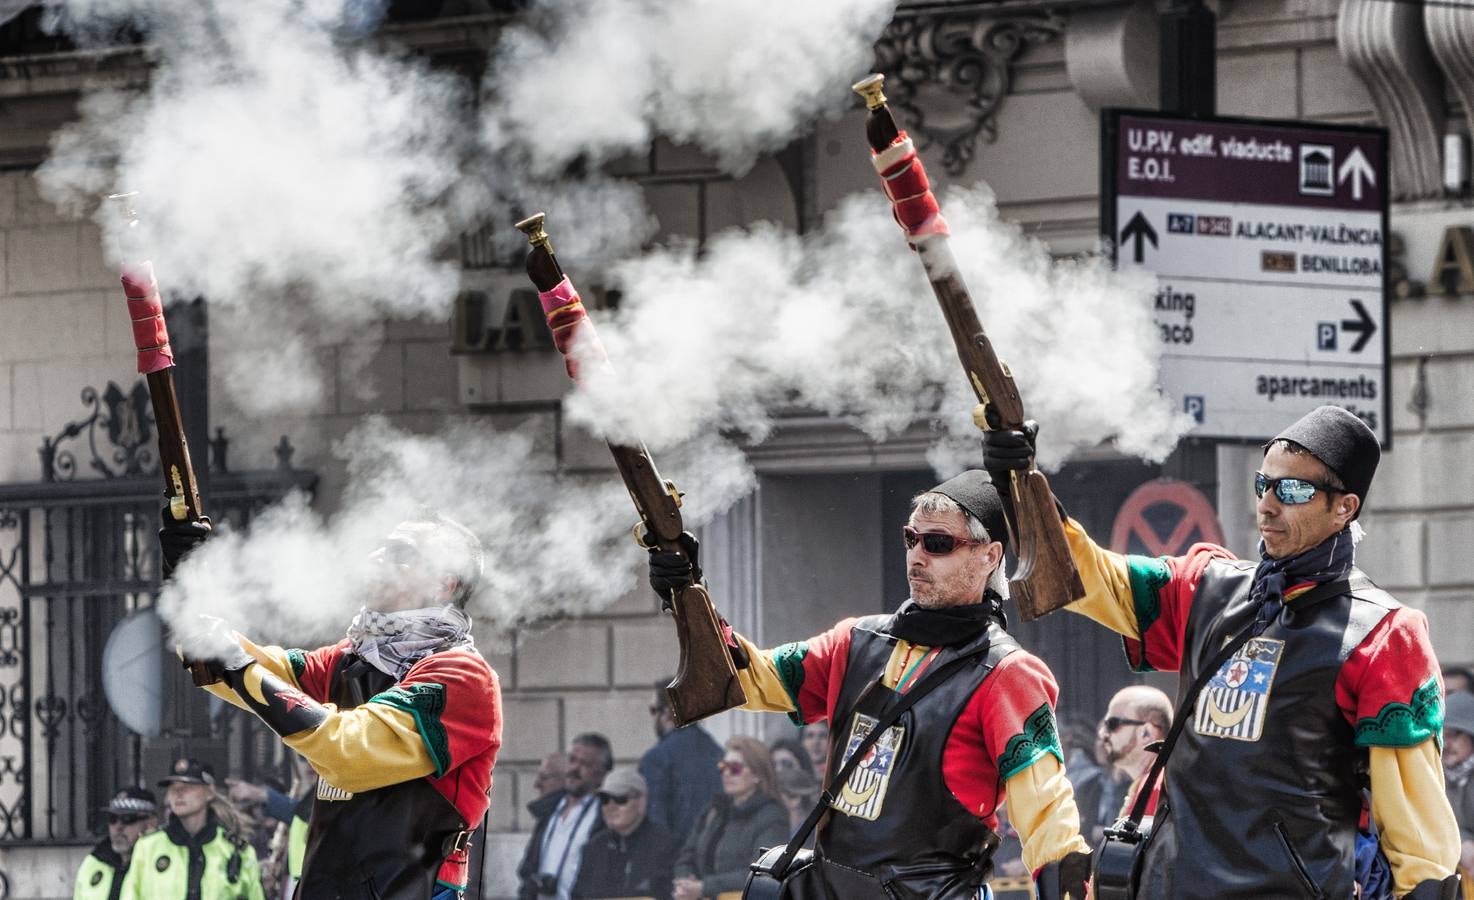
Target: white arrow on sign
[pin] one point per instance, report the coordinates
(1356, 168)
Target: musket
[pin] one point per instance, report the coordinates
(706, 679)
(156, 365)
(1046, 578)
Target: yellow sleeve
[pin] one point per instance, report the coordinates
(1041, 806)
(1414, 820)
(367, 747)
(130, 890)
(1108, 598)
(761, 682)
(273, 659)
(252, 875)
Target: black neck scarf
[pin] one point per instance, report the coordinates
(947, 627)
(1330, 560)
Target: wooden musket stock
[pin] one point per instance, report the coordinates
(152, 340)
(706, 680)
(1046, 578)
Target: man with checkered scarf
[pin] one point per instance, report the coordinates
(401, 719)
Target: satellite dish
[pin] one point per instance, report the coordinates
(133, 672)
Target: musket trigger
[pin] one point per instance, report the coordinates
(638, 532)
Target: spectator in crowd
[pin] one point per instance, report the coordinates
(631, 856)
(681, 769)
(789, 753)
(202, 852)
(131, 814)
(815, 736)
(1458, 771)
(550, 865)
(1458, 679)
(800, 791)
(745, 818)
(549, 778)
(1138, 716)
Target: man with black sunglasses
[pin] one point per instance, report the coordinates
(1337, 687)
(632, 856)
(131, 814)
(1138, 716)
(916, 819)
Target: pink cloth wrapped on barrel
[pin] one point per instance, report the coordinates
(150, 335)
(567, 320)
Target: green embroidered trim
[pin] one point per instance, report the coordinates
(1405, 724)
(1147, 576)
(425, 702)
(1038, 738)
(297, 659)
(789, 661)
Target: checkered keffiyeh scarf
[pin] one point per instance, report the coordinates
(393, 641)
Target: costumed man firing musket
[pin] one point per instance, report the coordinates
(917, 817)
(1334, 683)
(401, 719)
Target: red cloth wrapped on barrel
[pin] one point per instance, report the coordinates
(150, 335)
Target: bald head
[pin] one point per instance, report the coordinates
(1146, 703)
(1138, 716)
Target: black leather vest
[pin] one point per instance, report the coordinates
(895, 819)
(384, 844)
(1263, 790)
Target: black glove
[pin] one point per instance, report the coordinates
(673, 572)
(1064, 877)
(1445, 889)
(1007, 451)
(177, 539)
(214, 651)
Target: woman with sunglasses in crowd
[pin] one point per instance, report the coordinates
(918, 816)
(1336, 684)
(747, 815)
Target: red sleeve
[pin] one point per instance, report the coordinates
(812, 671)
(1390, 688)
(466, 704)
(1007, 726)
(1162, 592)
(314, 668)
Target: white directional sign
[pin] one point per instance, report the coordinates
(1268, 240)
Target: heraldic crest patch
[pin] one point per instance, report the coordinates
(1233, 704)
(863, 793)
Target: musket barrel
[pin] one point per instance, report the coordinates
(706, 679)
(1046, 578)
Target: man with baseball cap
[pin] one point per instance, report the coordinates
(631, 856)
(130, 815)
(201, 853)
(1458, 770)
(919, 817)
(1336, 684)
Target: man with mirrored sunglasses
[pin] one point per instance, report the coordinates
(1336, 687)
(917, 818)
(130, 815)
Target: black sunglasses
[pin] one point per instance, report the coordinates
(616, 799)
(935, 543)
(119, 819)
(1111, 723)
(1291, 491)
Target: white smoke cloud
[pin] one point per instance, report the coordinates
(598, 80)
(276, 161)
(554, 545)
(844, 322)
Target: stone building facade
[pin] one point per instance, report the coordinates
(63, 326)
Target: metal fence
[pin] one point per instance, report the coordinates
(76, 557)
